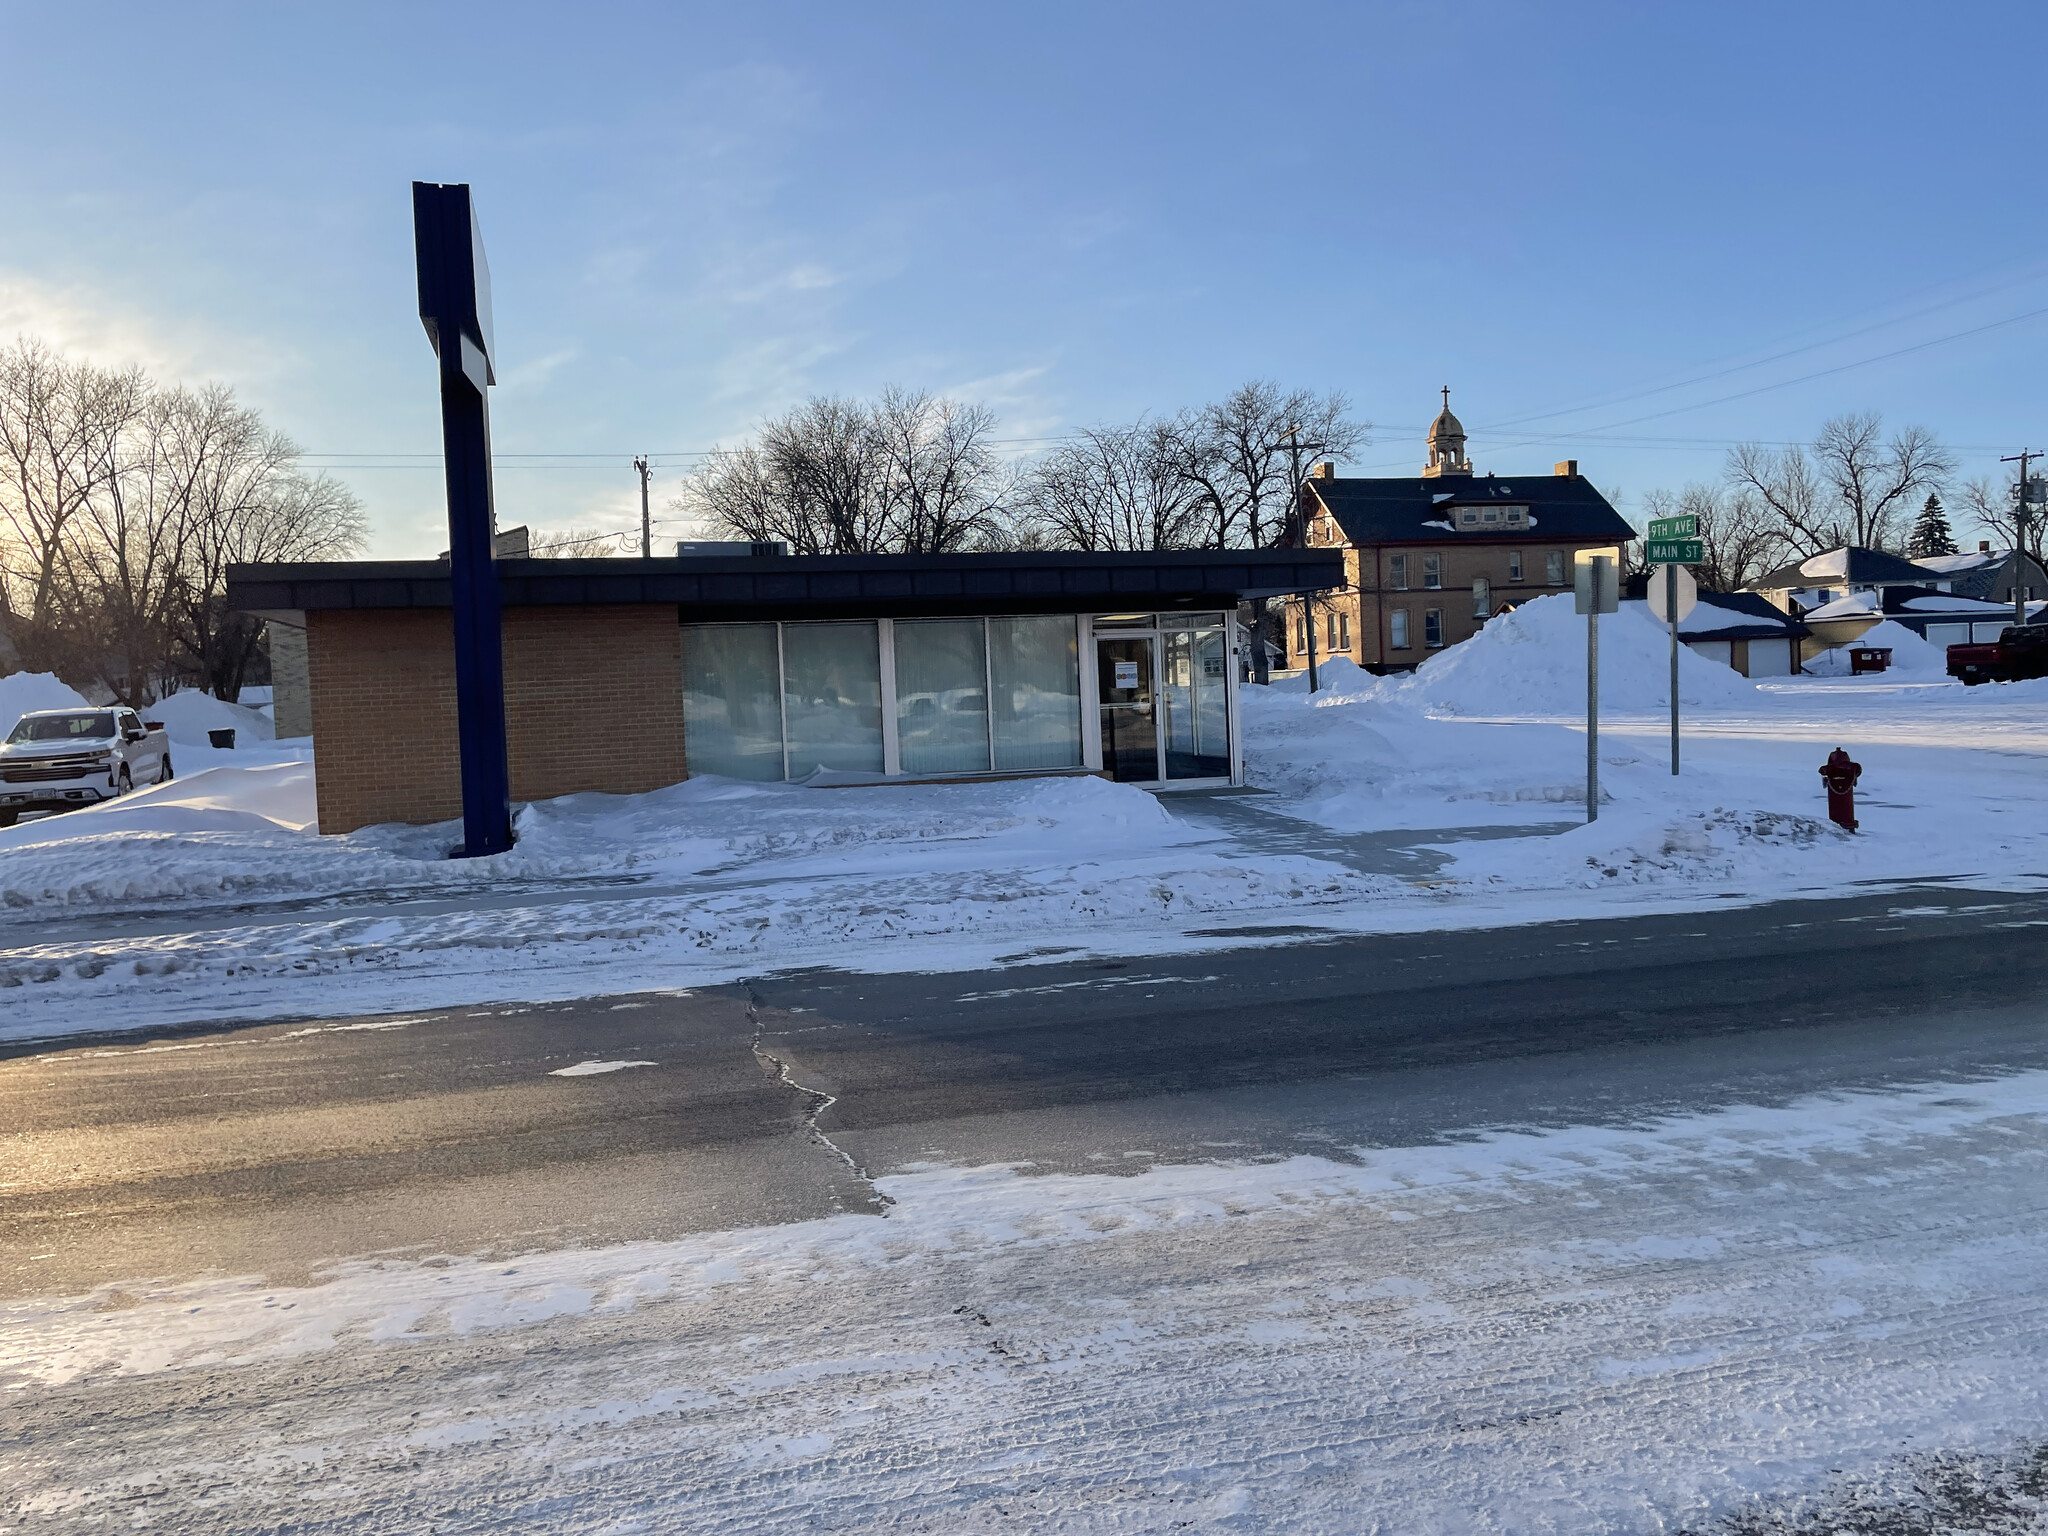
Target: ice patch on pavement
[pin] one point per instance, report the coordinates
(593, 1068)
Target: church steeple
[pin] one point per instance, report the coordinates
(1446, 444)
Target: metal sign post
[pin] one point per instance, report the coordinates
(1672, 539)
(455, 307)
(1596, 589)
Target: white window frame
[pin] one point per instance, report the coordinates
(1399, 635)
(1438, 643)
(1397, 573)
(1514, 565)
(1432, 573)
(1482, 597)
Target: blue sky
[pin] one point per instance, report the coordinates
(1626, 234)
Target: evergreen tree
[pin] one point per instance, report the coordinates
(1931, 533)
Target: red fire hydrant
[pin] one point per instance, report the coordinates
(1840, 776)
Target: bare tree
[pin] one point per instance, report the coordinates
(1854, 488)
(579, 544)
(947, 489)
(1995, 505)
(1739, 535)
(907, 473)
(1244, 451)
(1116, 487)
(59, 421)
(1874, 478)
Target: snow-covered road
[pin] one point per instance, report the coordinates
(1585, 1330)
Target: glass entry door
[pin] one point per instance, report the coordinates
(1130, 724)
(1194, 695)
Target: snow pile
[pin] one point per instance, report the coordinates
(1911, 655)
(1532, 661)
(23, 693)
(234, 832)
(1357, 755)
(188, 715)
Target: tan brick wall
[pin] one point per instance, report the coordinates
(593, 701)
(384, 748)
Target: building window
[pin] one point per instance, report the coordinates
(1432, 629)
(1469, 518)
(1553, 567)
(1301, 629)
(1337, 629)
(1514, 565)
(1397, 630)
(1432, 571)
(781, 701)
(1482, 598)
(1397, 573)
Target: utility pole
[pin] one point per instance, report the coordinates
(1295, 448)
(646, 527)
(2019, 533)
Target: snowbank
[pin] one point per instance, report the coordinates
(1911, 655)
(1532, 661)
(189, 714)
(240, 831)
(22, 693)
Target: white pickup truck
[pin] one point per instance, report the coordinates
(60, 759)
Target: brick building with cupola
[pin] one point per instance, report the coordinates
(1429, 559)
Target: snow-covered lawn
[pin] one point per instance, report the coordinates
(1599, 1329)
(212, 897)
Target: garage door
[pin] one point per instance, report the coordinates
(1986, 634)
(1713, 650)
(1946, 635)
(1770, 658)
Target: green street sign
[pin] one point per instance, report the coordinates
(1675, 551)
(1686, 527)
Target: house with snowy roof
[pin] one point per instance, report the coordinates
(1429, 558)
(1989, 574)
(1838, 573)
(1940, 618)
(1743, 631)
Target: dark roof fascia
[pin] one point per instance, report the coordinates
(822, 585)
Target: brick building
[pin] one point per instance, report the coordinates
(625, 675)
(1429, 559)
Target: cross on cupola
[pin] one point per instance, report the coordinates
(1446, 443)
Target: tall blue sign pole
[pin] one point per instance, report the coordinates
(455, 307)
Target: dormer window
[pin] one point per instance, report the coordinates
(1468, 517)
(1515, 517)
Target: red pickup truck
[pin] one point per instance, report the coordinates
(2021, 651)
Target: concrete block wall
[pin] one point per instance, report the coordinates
(593, 701)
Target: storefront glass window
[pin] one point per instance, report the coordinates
(832, 697)
(942, 695)
(1034, 666)
(732, 706)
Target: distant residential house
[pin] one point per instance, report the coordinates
(1429, 558)
(1838, 573)
(1743, 631)
(1940, 618)
(1989, 574)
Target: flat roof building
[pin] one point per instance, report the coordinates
(622, 676)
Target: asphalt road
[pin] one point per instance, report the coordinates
(281, 1147)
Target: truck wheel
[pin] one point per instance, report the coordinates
(163, 772)
(127, 781)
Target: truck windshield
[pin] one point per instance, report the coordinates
(64, 727)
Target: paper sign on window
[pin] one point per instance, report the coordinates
(1127, 674)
